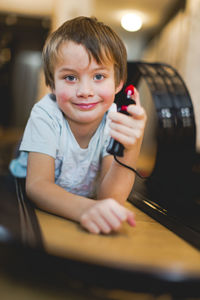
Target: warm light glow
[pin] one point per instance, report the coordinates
(131, 22)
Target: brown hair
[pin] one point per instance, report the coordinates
(99, 40)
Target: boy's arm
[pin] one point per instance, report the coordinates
(95, 216)
(116, 181)
(42, 190)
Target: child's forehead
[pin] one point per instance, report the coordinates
(70, 49)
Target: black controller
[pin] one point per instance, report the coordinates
(115, 148)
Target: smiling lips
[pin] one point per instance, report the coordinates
(86, 106)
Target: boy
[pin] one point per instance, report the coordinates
(63, 151)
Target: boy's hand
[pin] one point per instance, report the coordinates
(105, 216)
(128, 129)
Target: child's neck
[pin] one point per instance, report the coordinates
(83, 132)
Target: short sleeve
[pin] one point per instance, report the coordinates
(42, 132)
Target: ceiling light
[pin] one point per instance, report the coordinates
(131, 22)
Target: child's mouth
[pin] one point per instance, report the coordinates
(86, 106)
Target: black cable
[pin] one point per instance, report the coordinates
(130, 168)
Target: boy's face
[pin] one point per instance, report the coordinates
(84, 89)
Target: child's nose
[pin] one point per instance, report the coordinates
(85, 90)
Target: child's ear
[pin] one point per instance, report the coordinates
(119, 87)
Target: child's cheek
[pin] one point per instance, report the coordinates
(62, 97)
(108, 96)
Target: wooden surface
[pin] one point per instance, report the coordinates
(148, 246)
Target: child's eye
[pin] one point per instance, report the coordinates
(70, 78)
(99, 77)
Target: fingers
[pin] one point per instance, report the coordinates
(127, 140)
(137, 112)
(126, 129)
(131, 218)
(132, 130)
(101, 216)
(106, 216)
(136, 97)
(91, 226)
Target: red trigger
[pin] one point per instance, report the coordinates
(129, 90)
(123, 108)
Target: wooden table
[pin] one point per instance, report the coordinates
(149, 246)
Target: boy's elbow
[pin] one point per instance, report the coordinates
(33, 190)
(29, 188)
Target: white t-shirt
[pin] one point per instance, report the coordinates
(48, 132)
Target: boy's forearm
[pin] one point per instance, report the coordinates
(118, 181)
(117, 184)
(54, 199)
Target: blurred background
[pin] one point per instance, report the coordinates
(168, 32)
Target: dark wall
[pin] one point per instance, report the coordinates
(21, 42)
